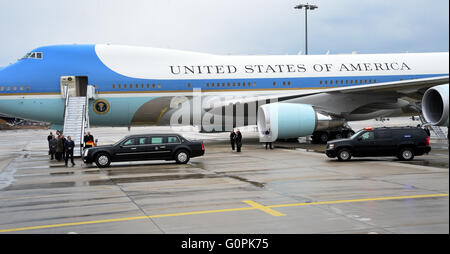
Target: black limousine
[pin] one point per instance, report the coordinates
(145, 147)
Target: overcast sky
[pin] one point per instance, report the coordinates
(226, 26)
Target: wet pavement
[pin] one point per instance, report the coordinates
(294, 188)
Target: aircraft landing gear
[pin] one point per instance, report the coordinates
(322, 137)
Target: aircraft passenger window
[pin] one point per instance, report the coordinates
(21, 88)
(346, 82)
(130, 142)
(342, 82)
(119, 86)
(189, 85)
(137, 86)
(27, 88)
(274, 83)
(254, 84)
(159, 85)
(2, 88)
(15, 88)
(8, 88)
(239, 83)
(223, 84)
(113, 86)
(321, 82)
(284, 83)
(142, 86)
(212, 85)
(375, 81)
(124, 85)
(360, 81)
(228, 84)
(234, 84)
(148, 85)
(331, 82)
(207, 84)
(153, 85)
(365, 81)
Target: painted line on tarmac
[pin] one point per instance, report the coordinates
(265, 209)
(253, 206)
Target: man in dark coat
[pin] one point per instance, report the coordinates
(60, 147)
(52, 143)
(88, 140)
(69, 146)
(232, 139)
(238, 141)
(49, 137)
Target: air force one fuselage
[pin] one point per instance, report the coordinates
(137, 85)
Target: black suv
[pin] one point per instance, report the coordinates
(403, 142)
(145, 147)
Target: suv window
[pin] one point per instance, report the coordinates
(129, 142)
(367, 135)
(157, 140)
(173, 140)
(384, 134)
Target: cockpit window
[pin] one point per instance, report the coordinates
(33, 55)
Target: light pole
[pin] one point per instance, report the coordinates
(307, 7)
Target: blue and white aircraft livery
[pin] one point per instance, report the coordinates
(293, 95)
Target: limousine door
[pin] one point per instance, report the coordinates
(128, 150)
(158, 149)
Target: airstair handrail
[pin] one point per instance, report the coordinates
(66, 96)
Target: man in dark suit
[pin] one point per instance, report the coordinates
(238, 141)
(232, 139)
(88, 140)
(69, 146)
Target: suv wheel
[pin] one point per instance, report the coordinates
(102, 160)
(182, 157)
(344, 154)
(406, 154)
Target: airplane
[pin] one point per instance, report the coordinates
(293, 95)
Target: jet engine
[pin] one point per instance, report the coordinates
(289, 120)
(435, 105)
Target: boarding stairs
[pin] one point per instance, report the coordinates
(76, 120)
(434, 129)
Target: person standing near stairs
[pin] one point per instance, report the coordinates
(69, 146)
(88, 140)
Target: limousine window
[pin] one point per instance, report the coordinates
(157, 140)
(129, 142)
(142, 141)
(173, 140)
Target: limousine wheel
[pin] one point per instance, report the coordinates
(182, 157)
(102, 160)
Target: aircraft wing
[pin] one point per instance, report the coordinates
(347, 100)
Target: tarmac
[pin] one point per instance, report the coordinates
(293, 189)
